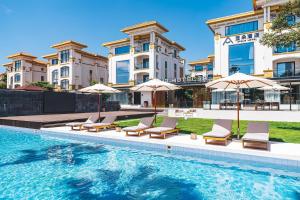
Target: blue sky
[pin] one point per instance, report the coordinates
(33, 25)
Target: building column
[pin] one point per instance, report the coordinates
(152, 57)
(132, 60)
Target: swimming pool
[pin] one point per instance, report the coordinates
(41, 167)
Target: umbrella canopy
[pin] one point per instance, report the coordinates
(275, 87)
(99, 89)
(30, 88)
(237, 81)
(155, 85)
(224, 90)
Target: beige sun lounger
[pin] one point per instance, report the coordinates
(167, 127)
(77, 126)
(107, 122)
(221, 131)
(257, 134)
(144, 124)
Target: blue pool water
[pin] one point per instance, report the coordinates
(35, 166)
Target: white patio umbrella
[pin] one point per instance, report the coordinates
(275, 87)
(154, 86)
(238, 81)
(99, 89)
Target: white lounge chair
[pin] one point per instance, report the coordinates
(144, 124)
(221, 131)
(168, 126)
(77, 126)
(257, 133)
(107, 122)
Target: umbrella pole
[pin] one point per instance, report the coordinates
(99, 106)
(154, 105)
(238, 112)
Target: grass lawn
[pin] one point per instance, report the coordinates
(279, 131)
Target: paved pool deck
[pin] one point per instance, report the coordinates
(278, 150)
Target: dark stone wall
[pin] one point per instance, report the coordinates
(14, 103)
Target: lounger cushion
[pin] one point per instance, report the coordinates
(96, 125)
(135, 128)
(159, 129)
(75, 124)
(214, 134)
(259, 137)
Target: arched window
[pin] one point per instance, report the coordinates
(55, 76)
(17, 78)
(64, 71)
(64, 84)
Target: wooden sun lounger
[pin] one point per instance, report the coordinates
(167, 127)
(78, 126)
(144, 124)
(257, 134)
(221, 131)
(107, 122)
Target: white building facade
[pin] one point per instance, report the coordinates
(145, 54)
(237, 47)
(202, 69)
(72, 68)
(24, 69)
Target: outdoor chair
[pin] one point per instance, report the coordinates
(78, 126)
(221, 131)
(257, 134)
(168, 126)
(107, 122)
(144, 124)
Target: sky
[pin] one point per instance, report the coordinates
(32, 26)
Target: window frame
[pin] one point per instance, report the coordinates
(255, 28)
(293, 70)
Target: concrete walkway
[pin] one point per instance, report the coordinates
(280, 116)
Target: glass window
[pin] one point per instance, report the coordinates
(54, 61)
(122, 71)
(284, 69)
(289, 48)
(42, 78)
(210, 67)
(291, 20)
(145, 78)
(64, 56)
(175, 71)
(166, 70)
(55, 77)
(241, 28)
(209, 76)
(175, 53)
(64, 71)
(122, 50)
(145, 62)
(11, 80)
(198, 68)
(18, 65)
(146, 47)
(64, 84)
(241, 58)
(17, 78)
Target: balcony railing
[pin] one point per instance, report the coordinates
(140, 66)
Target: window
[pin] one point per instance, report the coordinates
(175, 71)
(91, 76)
(146, 47)
(198, 68)
(241, 28)
(11, 80)
(145, 78)
(42, 78)
(284, 69)
(146, 63)
(157, 63)
(122, 50)
(210, 67)
(54, 61)
(55, 77)
(209, 76)
(241, 58)
(166, 70)
(283, 49)
(64, 71)
(17, 78)
(64, 84)
(122, 71)
(101, 80)
(291, 20)
(18, 65)
(175, 53)
(64, 56)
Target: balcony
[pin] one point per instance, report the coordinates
(141, 66)
(141, 48)
(141, 62)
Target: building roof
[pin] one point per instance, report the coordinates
(27, 55)
(181, 48)
(144, 25)
(52, 55)
(69, 42)
(8, 64)
(96, 56)
(124, 40)
(207, 60)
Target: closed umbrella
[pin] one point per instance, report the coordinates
(99, 89)
(238, 81)
(154, 86)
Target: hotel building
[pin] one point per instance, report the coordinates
(237, 47)
(24, 69)
(144, 54)
(71, 68)
(202, 69)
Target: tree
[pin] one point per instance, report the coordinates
(282, 32)
(43, 84)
